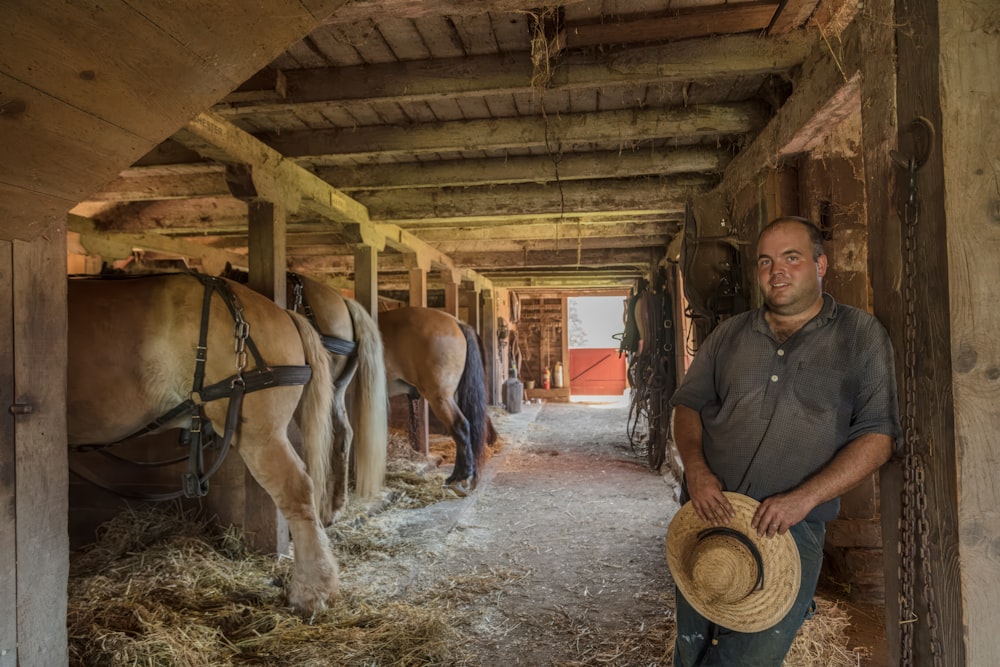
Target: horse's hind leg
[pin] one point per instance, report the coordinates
(463, 476)
(340, 454)
(276, 467)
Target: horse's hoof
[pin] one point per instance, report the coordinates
(458, 487)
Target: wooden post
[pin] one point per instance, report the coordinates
(948, 235)
(491, 345)
(418, 287)
(34, 544)
(450, 281)
(266, 246)
(235, 495)
(366, 278)
(470, 297)
(947, 58)
(419, 418)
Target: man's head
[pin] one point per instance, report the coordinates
(791, 264)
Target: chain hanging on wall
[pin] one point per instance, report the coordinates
(914, 529)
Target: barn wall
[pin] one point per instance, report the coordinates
(970, 133)
(34, 550)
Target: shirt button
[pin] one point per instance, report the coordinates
(781, 353)
(774, 378)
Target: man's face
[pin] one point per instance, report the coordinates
(790, 279)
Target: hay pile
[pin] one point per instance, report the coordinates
(162, 586)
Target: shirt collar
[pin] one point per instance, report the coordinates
(826, 313)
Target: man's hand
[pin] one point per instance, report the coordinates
(777, 514)
(709, 503)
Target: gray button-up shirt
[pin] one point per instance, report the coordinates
(775, 413)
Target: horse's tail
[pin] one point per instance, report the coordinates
(491, 432)
(315, 414)
(471, 394)
(369, 404)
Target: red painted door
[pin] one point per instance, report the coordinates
(596, 372)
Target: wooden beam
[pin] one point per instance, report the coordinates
(624, 127)
(722, 56)
(684, 24)
(544, 231)
(650, 196)
(825, 72)
(533, 169)
(276, 178)
(485, 261)
(117, 245)
(791, 15)
(585, 281)
(208, 180)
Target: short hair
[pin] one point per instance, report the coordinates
(815, 235)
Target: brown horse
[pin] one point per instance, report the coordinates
(157, 352)
(343, 321)
(432, 354)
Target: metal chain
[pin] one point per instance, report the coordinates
(241, 330)
(914, 493)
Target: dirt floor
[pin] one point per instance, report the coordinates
(556, 560)
(572, 524)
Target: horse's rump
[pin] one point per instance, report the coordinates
(441, 358)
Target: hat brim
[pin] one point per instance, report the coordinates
(762, 608)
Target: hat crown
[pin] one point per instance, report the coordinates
(723, 568)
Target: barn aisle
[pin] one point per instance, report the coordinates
(557, 559)
(579, 521)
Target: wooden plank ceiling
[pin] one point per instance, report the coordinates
(523, 146)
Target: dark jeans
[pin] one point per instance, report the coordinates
(701, 643)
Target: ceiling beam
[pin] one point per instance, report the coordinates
(679, 25)
(649, 196)
(186, 181)
(116, 245)
(527, 169)
(415, 208)
(318, 89)
(624, 127)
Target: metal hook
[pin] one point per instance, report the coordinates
(920, 127)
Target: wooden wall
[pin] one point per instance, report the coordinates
(34, 549)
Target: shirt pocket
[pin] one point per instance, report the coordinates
(819, 389)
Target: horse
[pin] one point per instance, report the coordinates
(351, 336)
(434, 355)
(149, 353)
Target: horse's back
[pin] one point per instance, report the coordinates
(133, 343)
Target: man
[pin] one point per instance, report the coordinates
(792, 404)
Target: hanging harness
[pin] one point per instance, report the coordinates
(194, 483)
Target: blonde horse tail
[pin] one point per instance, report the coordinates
(315, 412)
(369, 405)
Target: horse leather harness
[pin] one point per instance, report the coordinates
(299, 305)
(195, 481)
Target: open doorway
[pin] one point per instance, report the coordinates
(595, 324)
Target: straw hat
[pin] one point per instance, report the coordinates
(732, 577)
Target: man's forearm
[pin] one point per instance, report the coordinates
(853, 463)
(687, 431)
